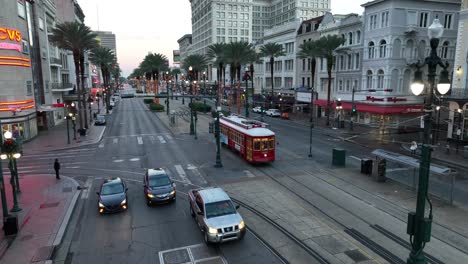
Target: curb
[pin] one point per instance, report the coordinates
(66, 219)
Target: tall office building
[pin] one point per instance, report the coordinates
(107, 39)
(219, 21)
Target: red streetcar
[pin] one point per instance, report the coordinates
(251, 138)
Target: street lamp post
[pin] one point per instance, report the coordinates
(419, 226)
(204, 83)
(167, 92)
(246, 93)
(218, 163)
(311, 121)
(338, 111)
(11, 151)
(73, 118)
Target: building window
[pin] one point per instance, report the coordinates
(303, 65)
(321, 64)
(448, 21)
(411, 18)
(373, 22)
(357, 60)
(384, 19)
(444, 51)
(371, 50)
(28, 87)
(47, 86)
(383, 49)
(350, 38)
(348, 85)
(21, 11)
(380, 79)
(25, 46)
(423, 16)
(340, 85)
(358, 37)
(341, 62)
(41, 23)
(350, 62)
(369, 79)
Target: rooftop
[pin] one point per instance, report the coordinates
(212, 195)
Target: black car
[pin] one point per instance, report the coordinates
(158, 187)
(112, 196)
(100, 120)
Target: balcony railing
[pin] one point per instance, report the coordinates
(55, 61)
(61, 87)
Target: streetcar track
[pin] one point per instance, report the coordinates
(283, 230)
(352, 232)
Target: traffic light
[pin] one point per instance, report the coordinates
(211, 127)
(354, 110)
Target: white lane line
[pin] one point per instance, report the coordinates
(249, 174)
(182, 174)
(197, 173)
(118, 160)
(140, 141)
(169, 137)
(356, 158)
(87, 185)
(161, 139)
(101, 145)
(74, 167)
(115, 140)
(62, 157)
(77, 150)
(134, 159)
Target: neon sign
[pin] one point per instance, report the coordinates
(11, 34)
(10, 46)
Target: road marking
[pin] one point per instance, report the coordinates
(152, 139)
(197, 173)
(87, 185)
(62, 157)
(115, 140)
(101, 145)
(140, 140)
(356, 158)
(182, 174)
(134, 159)
(74, 167)
(118, 160)
(78, 150)
(161, 139)
(169, 137)
(249, 174)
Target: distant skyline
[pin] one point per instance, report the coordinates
(155, 26)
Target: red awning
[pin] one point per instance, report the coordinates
(375, 109)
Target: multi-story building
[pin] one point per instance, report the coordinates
(395, 37)
(245, 20)
(107, 39)
(17, 87)
(458, 96)
(185, 44)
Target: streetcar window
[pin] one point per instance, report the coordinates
(257, 144)
(272, 143)
(265, 144)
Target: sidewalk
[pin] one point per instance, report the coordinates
(47, 204)
(56, 137)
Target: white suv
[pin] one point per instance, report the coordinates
(273, 112)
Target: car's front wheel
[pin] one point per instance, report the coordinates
(205, 238)
(192, 213)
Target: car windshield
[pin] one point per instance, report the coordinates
(219, 208)
(160, 180)
(99, 117)
(111, 188)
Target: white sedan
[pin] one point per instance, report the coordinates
(273, 113)
(257, 109)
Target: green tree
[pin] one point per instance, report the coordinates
(104, 58)
(78, 38)
(238, 54)
(272, 50)
(176, 72)
(325, 48)
(198, 64)
(216, 53)
(152, 64)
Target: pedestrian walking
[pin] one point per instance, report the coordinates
(57, 168)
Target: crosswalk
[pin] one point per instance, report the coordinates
(136, 140)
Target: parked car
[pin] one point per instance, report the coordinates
(100, 120)
(257, 109)
(112, 196)
(216, 215)
(158, 187)
(273, 112)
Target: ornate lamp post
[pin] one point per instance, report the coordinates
(167, 92)
(419, 226)
(247, 69)
(192, 128)
(218, 163)
(204, 83)
(312, 93)
(11, 151)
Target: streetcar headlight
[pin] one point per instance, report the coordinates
(101, 205)
(212, 230)
(242, 225)
(265, 154)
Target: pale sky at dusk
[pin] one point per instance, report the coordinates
(143, 26)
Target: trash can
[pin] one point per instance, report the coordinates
(465, 151)
(366, 166)
(380, 167)
(82, 131)
(10, 225)
(339, 157)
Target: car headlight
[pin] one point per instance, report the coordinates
(150, 195)
(212, 230)
(242, 225)
(173, 192)
(101, 205)
(123, 202)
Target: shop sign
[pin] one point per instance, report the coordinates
(10, 46)
(10, 34)
(303, 97)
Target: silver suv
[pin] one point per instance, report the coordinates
(216, 215)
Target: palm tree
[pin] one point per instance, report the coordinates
(136, 74)
(238, 54)
(116, 74)
(104, 58)
(152, 64)
(216, 52)
(198, 64)
(272, 50)
(175, 72)
(78, 38)
(325, 48)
